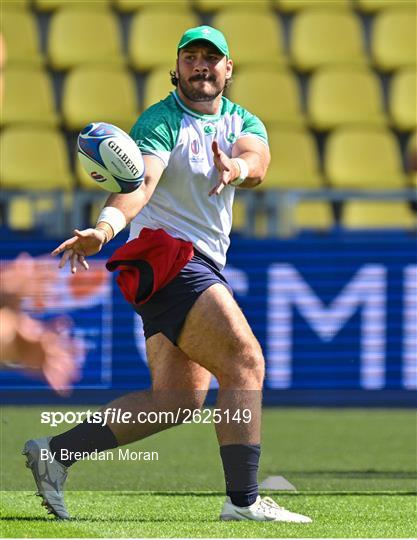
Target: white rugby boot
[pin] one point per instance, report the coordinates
(263, 509)
(49, 477)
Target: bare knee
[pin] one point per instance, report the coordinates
(194, 399)
(172, 400)
(244, 368)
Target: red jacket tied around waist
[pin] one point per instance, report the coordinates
(148, 263)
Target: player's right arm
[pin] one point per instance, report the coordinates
(90, 241)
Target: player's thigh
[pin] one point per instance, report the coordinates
(217, 335)
(175, 377)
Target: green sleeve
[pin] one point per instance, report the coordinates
(252, 125)
(156, 131)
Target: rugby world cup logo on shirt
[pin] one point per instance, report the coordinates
(195, 147)
(195, 154)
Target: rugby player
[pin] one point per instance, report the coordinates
(198, 147)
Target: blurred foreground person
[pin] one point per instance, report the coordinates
(26, 342)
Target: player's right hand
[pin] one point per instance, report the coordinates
(83, 244)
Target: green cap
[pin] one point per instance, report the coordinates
(205, 33)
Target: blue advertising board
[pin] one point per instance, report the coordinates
(334, 312)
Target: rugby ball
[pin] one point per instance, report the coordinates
(111, 158)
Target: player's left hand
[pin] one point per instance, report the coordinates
(228, 170)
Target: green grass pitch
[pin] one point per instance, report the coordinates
(354, 471)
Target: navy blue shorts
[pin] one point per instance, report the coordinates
(166, 311)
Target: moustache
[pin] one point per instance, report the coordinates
(210, 78)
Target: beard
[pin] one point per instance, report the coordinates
(196, 92)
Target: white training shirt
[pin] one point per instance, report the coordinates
(182, 139)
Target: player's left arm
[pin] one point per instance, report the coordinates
(245, 168)
(256, 155)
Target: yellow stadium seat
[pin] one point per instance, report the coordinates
(2, 53)
(133, 5)
(209, 6)
(344, 95)
(28, 97)
(364, 158)
(378, 215)
(313, 215)
(294, 160)
(21, 214)
(290, 6)
(393, 41)
(21, 37)
(34, 158)
(372, 6)
(25, 213)
(52, 5)
(323, 36)
(14, 5)
(239, 215)
(93, 94)
(403, 99)
(157, 86)
(2, 64)
(154, 36)
(73, 40)
(267, 46)
(274, 96)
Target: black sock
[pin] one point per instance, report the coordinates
(240, 464)
(85, 437)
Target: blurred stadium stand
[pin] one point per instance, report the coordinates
(334, 83)
(22, 107)
(99, 93)
(340, 96)
(266, 47)
(70, 43)
(154, 36)
(281, 100)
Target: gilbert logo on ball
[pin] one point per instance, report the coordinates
(110, 157)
